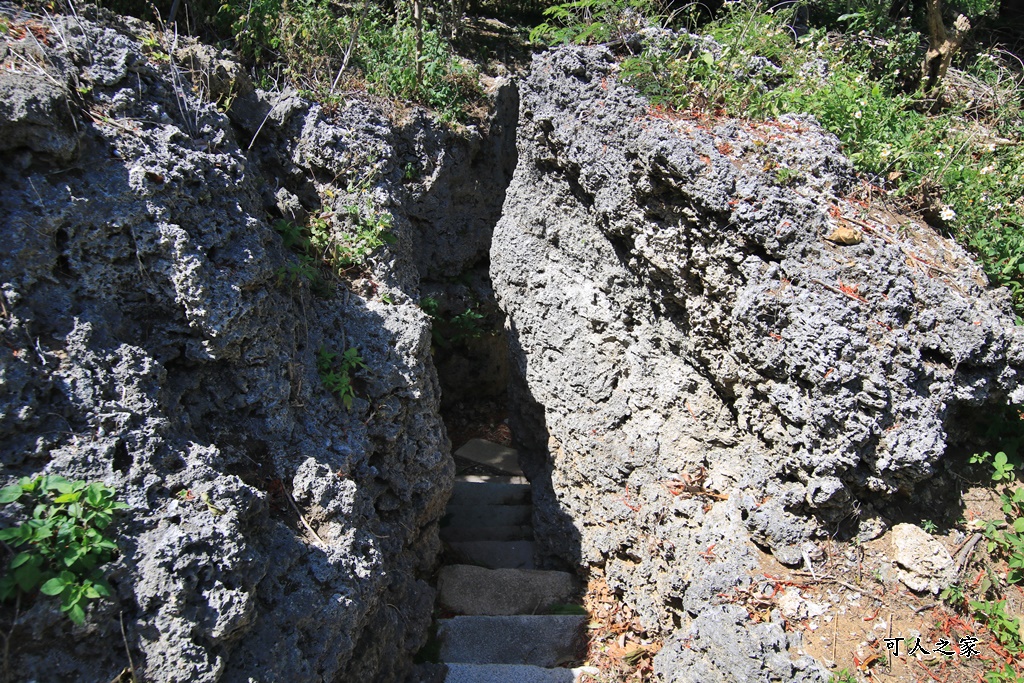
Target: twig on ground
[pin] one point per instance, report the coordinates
(844, 584)
(124, 637)
(964, 556)
(302, 519)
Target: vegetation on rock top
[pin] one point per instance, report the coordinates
(949, 150)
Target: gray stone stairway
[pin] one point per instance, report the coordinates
(501, 631)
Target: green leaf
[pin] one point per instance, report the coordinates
(76, 614)
(54, 586)
(70, 497)
(11, 493)
(27, 576)
(94, 495)
(20, 559)
(57, 483)
(1018, 525)
(73, 556)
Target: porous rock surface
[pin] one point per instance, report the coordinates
(922, 562)
(700, 370)
(155, 339)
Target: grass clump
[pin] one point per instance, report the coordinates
(60, 549)
(325, 47)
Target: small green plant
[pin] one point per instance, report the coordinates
(1006, 628)
(1007, 535)
(448, 330)
(336, 372)
(341, 246)
(1002, 468)
(842, 676)
(1004, 675)
(430, 306)
(303, 270)
(786, 176)
(60, 550)
(466, 325)
(369, 230)
(929, 526)
(954, 595)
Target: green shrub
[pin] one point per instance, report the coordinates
(387, 56)
(60, 549)
(593, 21)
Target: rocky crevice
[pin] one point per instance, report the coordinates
(154, 339)
(674, 316)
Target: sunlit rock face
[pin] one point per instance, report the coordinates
(703, 362)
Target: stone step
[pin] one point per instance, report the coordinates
(494, 554)
(487, 515)
(479, 493)
(514, 673)
(491, 479)
(492, 455)
(537, 640)
(465, 589)
(518, 532)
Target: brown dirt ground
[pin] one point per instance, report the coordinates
(845, 610)
(852, 602)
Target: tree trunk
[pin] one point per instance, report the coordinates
(941, 45)
(417, 18)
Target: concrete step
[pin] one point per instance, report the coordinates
(518, 532)
(494, 554)
(465, 589)
(514, 673)
(487, 515)
(492, 455)
(479, 493)
(492, 479)
(537, 640)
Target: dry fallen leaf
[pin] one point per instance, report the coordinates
(845, 236)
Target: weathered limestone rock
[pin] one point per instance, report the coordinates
(699, 367)
(922, 562)
(155, 339)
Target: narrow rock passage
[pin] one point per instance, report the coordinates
(503, 630)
